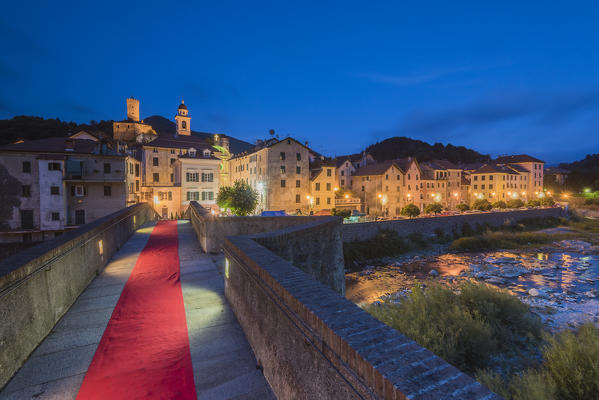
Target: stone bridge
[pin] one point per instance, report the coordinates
(213, 308)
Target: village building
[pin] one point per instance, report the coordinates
(323, 186)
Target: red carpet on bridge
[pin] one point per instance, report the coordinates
(144, 352)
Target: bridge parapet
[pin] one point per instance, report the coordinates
(313, 343)
(38, 285)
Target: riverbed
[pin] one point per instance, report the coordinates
(560, 282)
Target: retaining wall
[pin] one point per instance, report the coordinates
(313, 343)
(38, 285)
(427, 226)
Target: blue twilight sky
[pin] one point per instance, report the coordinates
(500, 77)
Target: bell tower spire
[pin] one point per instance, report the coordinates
(183, 120)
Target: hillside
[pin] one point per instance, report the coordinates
(400, 147)
(31, 128)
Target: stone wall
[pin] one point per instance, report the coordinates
(427, 226)
(38, 285)
(313, 343)
(212, 230)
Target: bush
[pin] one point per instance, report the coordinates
(341, 213)
(589, 201)
(572, 362)
(410, 211)
(515, 203)
(465, 329)
(502, 240)
(433, 208)
(482, 205)
(533, 203)
(547, 202)
(462, 207)
(499, 204)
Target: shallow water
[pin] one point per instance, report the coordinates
(559, 282)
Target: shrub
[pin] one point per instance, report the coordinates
(410, 211)
(341, 213)
(572, 362)
(240, 198)
(589, 201)
(464, 329)
(547, 201)
(433, 208)
(502, 240)
(515, 203)
(533, 203)
(499, 204)
(462, 207)
(482, 205)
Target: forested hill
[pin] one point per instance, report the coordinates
(400, 147)
(588, 164)
(31, 128)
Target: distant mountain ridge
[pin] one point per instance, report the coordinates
(401, 147)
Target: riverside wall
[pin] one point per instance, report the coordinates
(38, 285)
(428, 226)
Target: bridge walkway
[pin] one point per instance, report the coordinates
(222, 363)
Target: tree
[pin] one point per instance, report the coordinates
(533, 203)
(515, 203)
(482, 205)
(433, 208)
(240, 198)
(462, 207)
(410, 211)
(499, 204)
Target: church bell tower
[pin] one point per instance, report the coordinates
(183, 120)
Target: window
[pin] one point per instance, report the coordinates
(155, 177)
(282, 169)
(26, 191)
(297, 198)
(54, 190)
(362, 188)
(137, 185)
(297, 183)
(55, 216)
(207, 196)
(387, 177)
(107, 191)
(193, 196)
(475, 177)
(328, 186)
(172, 178)
(155, 150)
(208, 177)
(282, 155)
(317, 186)
(298, 156)
(53, 166)
(173, 160)
(193, 177)
(342, 173)
(106, 168)
(409, 176)
(136, 169)
(342, 182)
(184, 124)
(298, 170)
(482, 187)
(170, 195)
(26, 167)
(318, 201)
(282, 182)
(328, 200)
(155, 161)
(490, 177)
(482, 178)
(329, 172)
(172, 151)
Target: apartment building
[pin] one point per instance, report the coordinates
(379, 187)
(323, 185)
(55, 184)
(197, 173)
(531, 167)
(442, 183)
(279, 171)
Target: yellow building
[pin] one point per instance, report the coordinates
(323, 185)
(498, 182)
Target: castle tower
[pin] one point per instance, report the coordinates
(133, 109)
(183, 120)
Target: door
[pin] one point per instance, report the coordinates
(26, 219)
(164, 213)
(79, 217)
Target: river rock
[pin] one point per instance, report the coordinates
(434, 273)
(534, 292)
